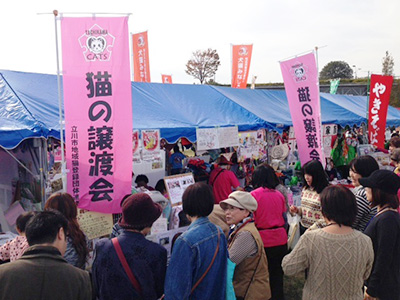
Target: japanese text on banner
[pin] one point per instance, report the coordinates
(379, 97)
(98, 114)
(301, 84)
(241, 57)
(141, 64)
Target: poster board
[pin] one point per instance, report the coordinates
(151, 145)
(207, 138)
(176, 185)
(214, 138)
(95, 224)
(165, 238)
(251, 145)
(329, 131)
(136, 147)
(228, 136)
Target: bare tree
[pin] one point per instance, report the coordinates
(203, 64)
(387, 64)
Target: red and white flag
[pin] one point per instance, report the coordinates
(379, 97)
(166, 78)
(141, 64)
(241, 57)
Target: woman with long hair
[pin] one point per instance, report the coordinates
(384, 230)
(362, 167)
(270, 223)
(314, 182)
(77, 250)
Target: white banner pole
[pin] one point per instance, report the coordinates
(63, 164)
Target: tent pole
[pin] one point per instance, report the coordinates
(41, 168)
(63, 166)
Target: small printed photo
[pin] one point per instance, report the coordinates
(164, 241)
(174, 184)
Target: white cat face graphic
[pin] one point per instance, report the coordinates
(96, 44)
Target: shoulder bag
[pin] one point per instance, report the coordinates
(124, 263)
(209, 267)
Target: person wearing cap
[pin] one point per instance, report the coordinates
(384, 230)
(270, 223)
(198, 265)
(223, 180)
(246, 248)
(338, 258)
(146, 260)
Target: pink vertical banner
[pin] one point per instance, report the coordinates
(300, 76)
(98, 111)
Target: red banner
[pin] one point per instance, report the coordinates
(241, 57)
(379, 97)
(141, 65)
(166, 78)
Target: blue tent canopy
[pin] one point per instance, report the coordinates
(29, 108)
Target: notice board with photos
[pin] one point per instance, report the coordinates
(176, 185)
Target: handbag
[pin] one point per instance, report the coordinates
(294, 231)
(280, 151)
(230, 291)
(124, 263)
(209, 267)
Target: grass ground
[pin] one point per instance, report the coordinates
(293, 286)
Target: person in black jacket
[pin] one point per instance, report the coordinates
(384, 230)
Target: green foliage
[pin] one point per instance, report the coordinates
(336, 69)
(395, 94)
(203, 64)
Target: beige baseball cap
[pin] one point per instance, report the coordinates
(240, 199)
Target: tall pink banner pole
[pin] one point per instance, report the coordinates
(300, 76)
(98, 110)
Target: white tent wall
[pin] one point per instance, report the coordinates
(146, 168)
(32, 154)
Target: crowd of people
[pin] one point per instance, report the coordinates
(236, 242)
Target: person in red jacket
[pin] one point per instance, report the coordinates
(223, 180)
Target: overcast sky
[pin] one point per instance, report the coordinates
(356, 31)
